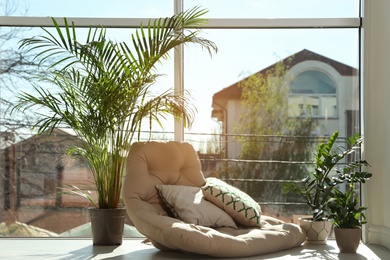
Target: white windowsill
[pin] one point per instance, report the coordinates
(39, 248)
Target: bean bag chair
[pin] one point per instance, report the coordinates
(169, 200)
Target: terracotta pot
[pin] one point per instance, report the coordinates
(107, 226)
(348, 239)
(317, 232)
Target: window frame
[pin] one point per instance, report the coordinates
(213, 23)
(320, 106)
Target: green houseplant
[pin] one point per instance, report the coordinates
(103, 91)
(345, 211)
(317, 188)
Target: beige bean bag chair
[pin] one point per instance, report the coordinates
(165, 197)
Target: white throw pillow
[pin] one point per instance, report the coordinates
(187, 203)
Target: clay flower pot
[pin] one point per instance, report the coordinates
(317, 232)
(107, 226)
(348, 239)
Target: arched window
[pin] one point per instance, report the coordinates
(313, 93)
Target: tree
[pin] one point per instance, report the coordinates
(16, 68)
(271, 141)
(212, 145)
(16, 71)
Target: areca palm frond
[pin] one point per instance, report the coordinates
(104, 89)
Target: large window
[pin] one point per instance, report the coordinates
(304, 62)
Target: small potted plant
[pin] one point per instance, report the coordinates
(317, 188)
(346, 213)
(101, 89)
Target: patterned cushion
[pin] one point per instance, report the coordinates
(187, 203)
(235, 202)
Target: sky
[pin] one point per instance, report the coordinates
(240, 51)
(217, 8)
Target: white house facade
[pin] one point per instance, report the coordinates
(322, 88)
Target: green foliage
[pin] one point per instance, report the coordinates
(104, 89)
(344, 207)
(266, 132)
(318, 187)
(264, 97)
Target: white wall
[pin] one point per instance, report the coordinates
(234, 109)
(376, 102)
(346, 87)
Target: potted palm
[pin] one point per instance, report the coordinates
(103, 94)
(317, 188)
(346, 213)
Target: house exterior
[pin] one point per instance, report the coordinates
(33, 175)
(317, 86)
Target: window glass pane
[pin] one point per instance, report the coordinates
(90, 8)
(312, 81)
(36, 170)
(218, 9)
(312, 106)
(329, 106)
(243, 92)
(296, 105)
(250, 129)
(259, 49)
(278, 8)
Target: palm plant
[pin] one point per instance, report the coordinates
(104, 90)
